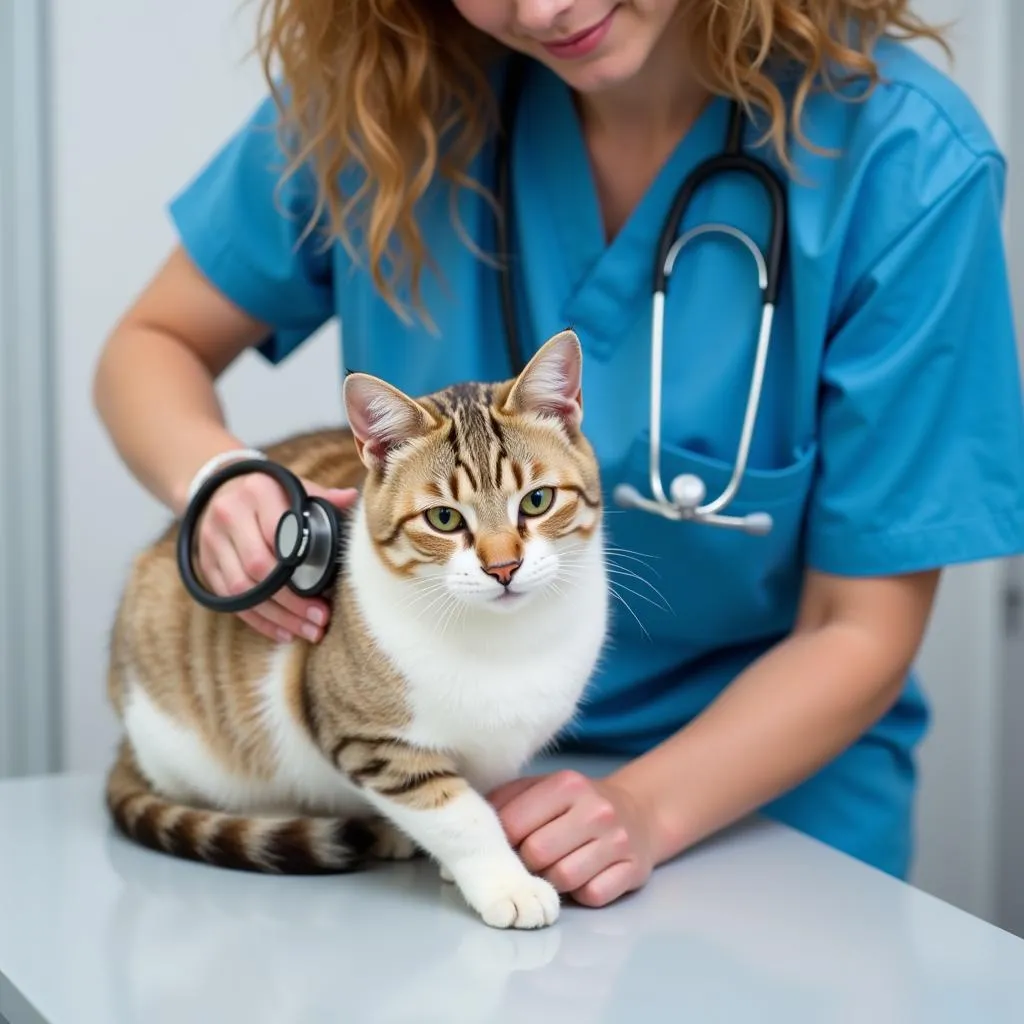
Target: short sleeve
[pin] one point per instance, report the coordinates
(921, 440)
(246, 230)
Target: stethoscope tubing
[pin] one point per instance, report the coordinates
(678, 506)
(726, 163)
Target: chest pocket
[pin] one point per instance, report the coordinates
(717, 585)
(704, 586)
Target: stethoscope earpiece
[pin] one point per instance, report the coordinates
(307, 542)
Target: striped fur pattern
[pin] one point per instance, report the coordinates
(469, 612)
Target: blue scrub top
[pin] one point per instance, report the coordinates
(890, 436)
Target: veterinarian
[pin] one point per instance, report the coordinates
(888, 440)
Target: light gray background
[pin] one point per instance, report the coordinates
(29, 630)
(142, 94)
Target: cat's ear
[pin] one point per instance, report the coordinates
(381, 417)
(551, 382)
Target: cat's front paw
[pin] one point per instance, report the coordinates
(528, 902)
(514, 899)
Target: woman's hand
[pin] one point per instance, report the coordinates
(588, 837)
(235, 551)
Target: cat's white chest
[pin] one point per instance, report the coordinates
(494, 716)
(492, 688)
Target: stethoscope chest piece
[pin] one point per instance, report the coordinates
(686, 492)
(308, 541)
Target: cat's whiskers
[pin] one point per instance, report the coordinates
(661, 604)
(569, 572)
(419, 588)
(612, 569)
(454, 610)
(543, 570)
(425, 584)
(614, 593)
(422, 589)
(440, 599)
(615, 549)
(633, 556)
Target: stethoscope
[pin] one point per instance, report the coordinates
(308, 542)
(311, 534)
(687, 491)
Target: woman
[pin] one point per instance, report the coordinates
(889, 441)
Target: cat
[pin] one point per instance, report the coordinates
(469, 612)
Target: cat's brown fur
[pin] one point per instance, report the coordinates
(207, 671)
(203, 668)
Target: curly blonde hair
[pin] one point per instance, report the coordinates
(401, 90)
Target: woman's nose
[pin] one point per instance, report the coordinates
(540, 16)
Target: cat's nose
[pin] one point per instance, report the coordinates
(503, 571)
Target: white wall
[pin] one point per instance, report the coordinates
(142, 94)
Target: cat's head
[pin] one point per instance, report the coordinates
(491, 490)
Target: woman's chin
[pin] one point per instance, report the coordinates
(592, 78)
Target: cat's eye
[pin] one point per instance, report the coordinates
(443, 518)
(537, 502)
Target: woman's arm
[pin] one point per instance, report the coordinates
(154, 383)
(794, 709)
(154, 391)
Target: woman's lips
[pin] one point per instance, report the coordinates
(584, 42)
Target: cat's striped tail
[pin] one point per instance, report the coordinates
(273, 845)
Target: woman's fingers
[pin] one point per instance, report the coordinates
(236, 552)
(263, 625)
(227, 575)
(615, 881)
(341, 497)
(257, 558)
(580, 866)
(251, 618)
(273, 612)
(254, 553)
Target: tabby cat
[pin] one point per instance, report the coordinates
(469, 612)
